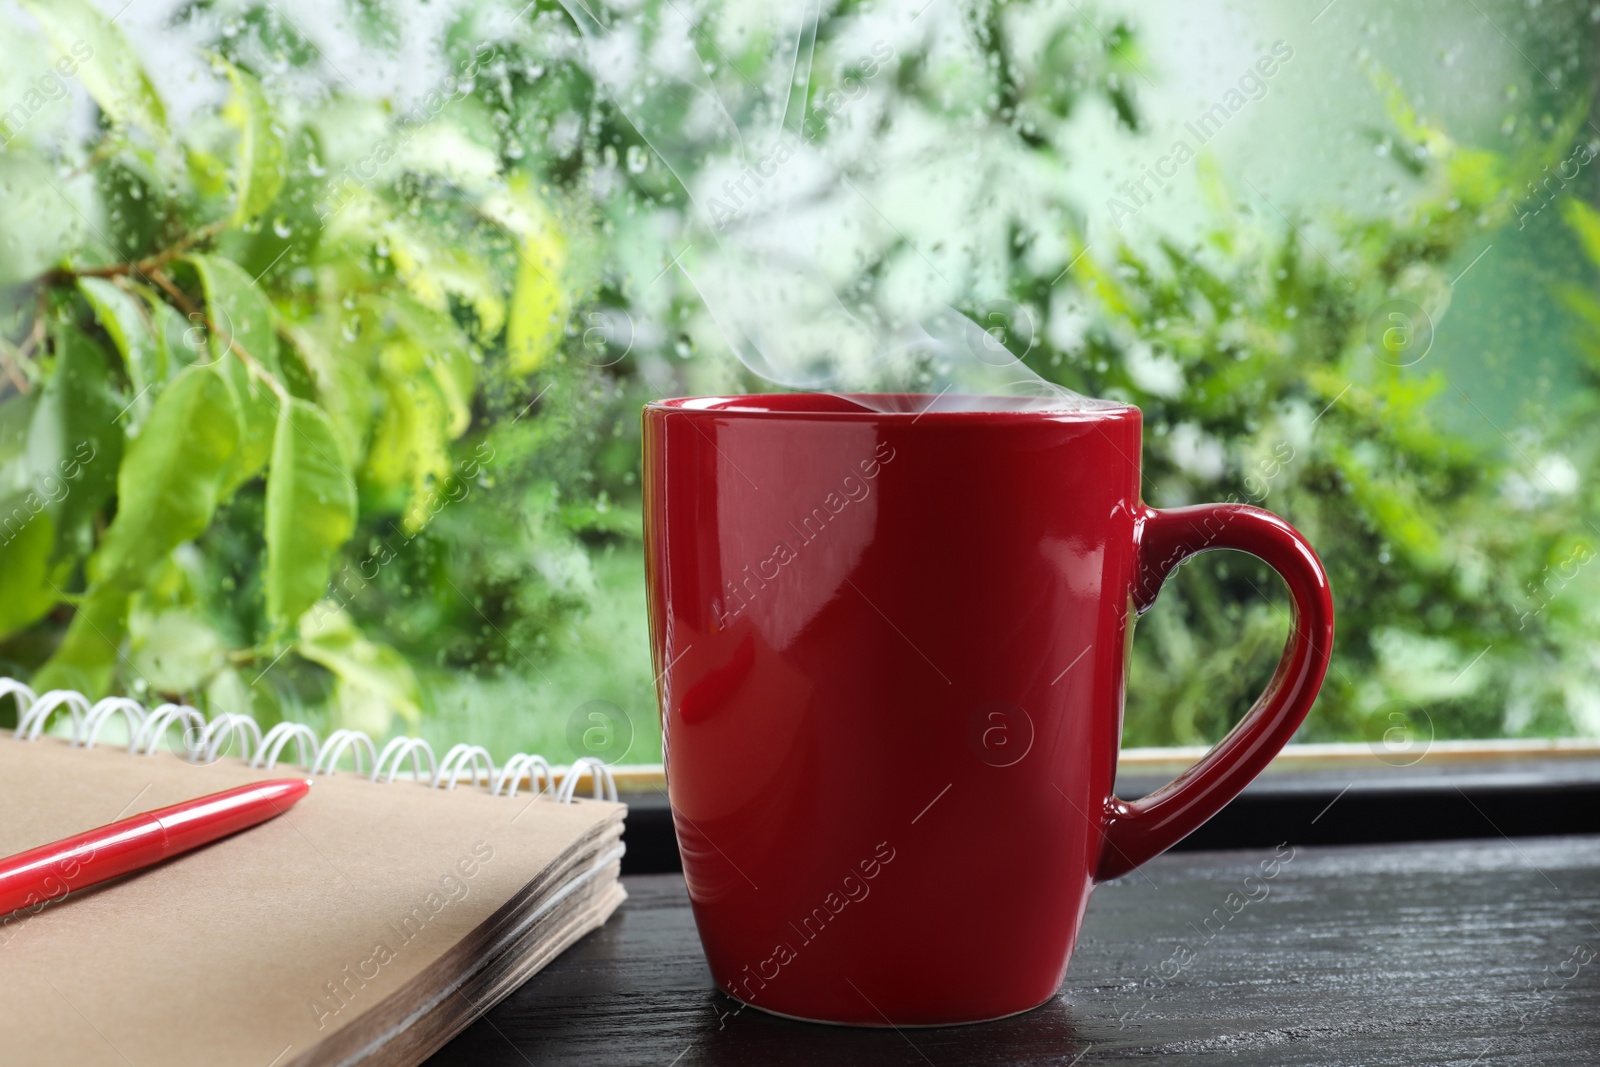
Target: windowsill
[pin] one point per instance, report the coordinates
(1149, 767)
(1311, 794)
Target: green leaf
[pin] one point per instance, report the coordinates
(207, 173)
(238, 309)
(227, 693)
(258, 169)
(538, 310)
(27, 530)
(242, 314)
(38, 225)
(311, 510)
(357, 706)
(258, 406)
(103, 60)
(88, 653)
(437, 344)
(1585, 222)
(170, 480)
(538, 300)
(175, 651)
(182, 344)
(410, 444)
(601, 516)
(455, 377)
(460, 145)
(432, 269)
(370, 675)
(339, 373)
(16, 415)
(27, 540)
(74, 442)
(130, 326)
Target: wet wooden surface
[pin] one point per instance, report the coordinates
(1481, 952)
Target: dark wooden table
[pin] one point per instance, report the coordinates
(1464, 953)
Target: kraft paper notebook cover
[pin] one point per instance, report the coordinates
(368, 924)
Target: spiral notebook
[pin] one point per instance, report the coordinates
(368, 924)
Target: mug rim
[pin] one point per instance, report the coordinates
(831, 406)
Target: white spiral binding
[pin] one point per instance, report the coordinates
(522, 765)
(223, 729)
(605, 786)
(25, 697)
(356, 741)
(280, 735)
(395, 752)
(461, 758)
(32, 722)
(207, 741)
(159, 721)
(131, 710)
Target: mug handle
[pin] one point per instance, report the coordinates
(1143, 829)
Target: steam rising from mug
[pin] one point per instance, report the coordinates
(808, 280)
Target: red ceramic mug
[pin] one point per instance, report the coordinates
(891, 652)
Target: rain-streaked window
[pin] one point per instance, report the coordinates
(326, 327)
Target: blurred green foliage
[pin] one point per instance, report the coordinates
(321, 409)
(1303, 391)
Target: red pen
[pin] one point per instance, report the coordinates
(51, 871)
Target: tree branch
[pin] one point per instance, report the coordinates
(190, 309)
(8, 365)
(11, 364)
(138, 267)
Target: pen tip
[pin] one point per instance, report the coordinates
(310, 782)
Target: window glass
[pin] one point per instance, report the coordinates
(326, 328)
